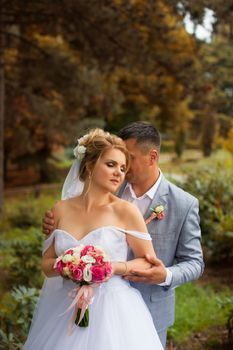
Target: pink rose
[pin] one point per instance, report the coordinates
(78, 274)
(160, 216)
(93, 254)
(59, 266)
(99, 260)
(98, 274)
(82, 264)
(99, 252)
(70, 266)
(108, 269)
(70, 251)
(87, 249)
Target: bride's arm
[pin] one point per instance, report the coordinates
(140, 247)
(48, 261)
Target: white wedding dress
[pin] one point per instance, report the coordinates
(119, 318)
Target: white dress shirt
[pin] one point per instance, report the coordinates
(143, 203)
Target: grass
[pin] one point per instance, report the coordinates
(197, 309)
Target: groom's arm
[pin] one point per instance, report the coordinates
(189, 263)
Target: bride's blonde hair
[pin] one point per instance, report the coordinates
(96, 143)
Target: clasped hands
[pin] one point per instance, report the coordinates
(156, 274)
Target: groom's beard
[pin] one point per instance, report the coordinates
(128, 177)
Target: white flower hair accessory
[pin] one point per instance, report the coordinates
(80, 149)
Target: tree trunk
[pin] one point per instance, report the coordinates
(2, 93)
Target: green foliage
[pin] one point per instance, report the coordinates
(25, 213)
(16, 318)
(197, 309)
(25, 302)
(9, 341)
(20, 265)
(21, 257)
(227, 304)
(213, 186)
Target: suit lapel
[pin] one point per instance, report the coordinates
(159, 198)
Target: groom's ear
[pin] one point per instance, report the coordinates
(153, 156)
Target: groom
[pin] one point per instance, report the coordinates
(175, 236)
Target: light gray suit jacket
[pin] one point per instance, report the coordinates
(176, 240)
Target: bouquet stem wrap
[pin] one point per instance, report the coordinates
(83, 297)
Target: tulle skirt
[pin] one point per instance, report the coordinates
(119, 320)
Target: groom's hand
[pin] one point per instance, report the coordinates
(48, 222)
(154, 275)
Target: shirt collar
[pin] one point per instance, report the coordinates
(150, 193)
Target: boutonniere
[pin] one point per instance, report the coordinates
(157, 213)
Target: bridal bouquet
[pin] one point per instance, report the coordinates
(86, 266)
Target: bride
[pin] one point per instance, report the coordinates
(92, 214)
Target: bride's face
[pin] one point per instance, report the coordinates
(109, 171)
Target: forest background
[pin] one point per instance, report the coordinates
(67, 66)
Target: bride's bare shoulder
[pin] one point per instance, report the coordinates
(130, 216)
(126, 208)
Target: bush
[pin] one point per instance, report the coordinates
(226, 303)
(24, 215)
(16, 316)
(20, 266)
(21, 258)
(213, 186)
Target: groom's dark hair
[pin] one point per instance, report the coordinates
(143, 132)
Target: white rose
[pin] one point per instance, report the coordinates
(76, 255)
(87, 275)
(67, 258)
(88, 259)
(79, 151)
(78, 249)
(76, 260)
(66, 272)
(159, 209)
(82, 139)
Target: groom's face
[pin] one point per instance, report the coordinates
(139, 163)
